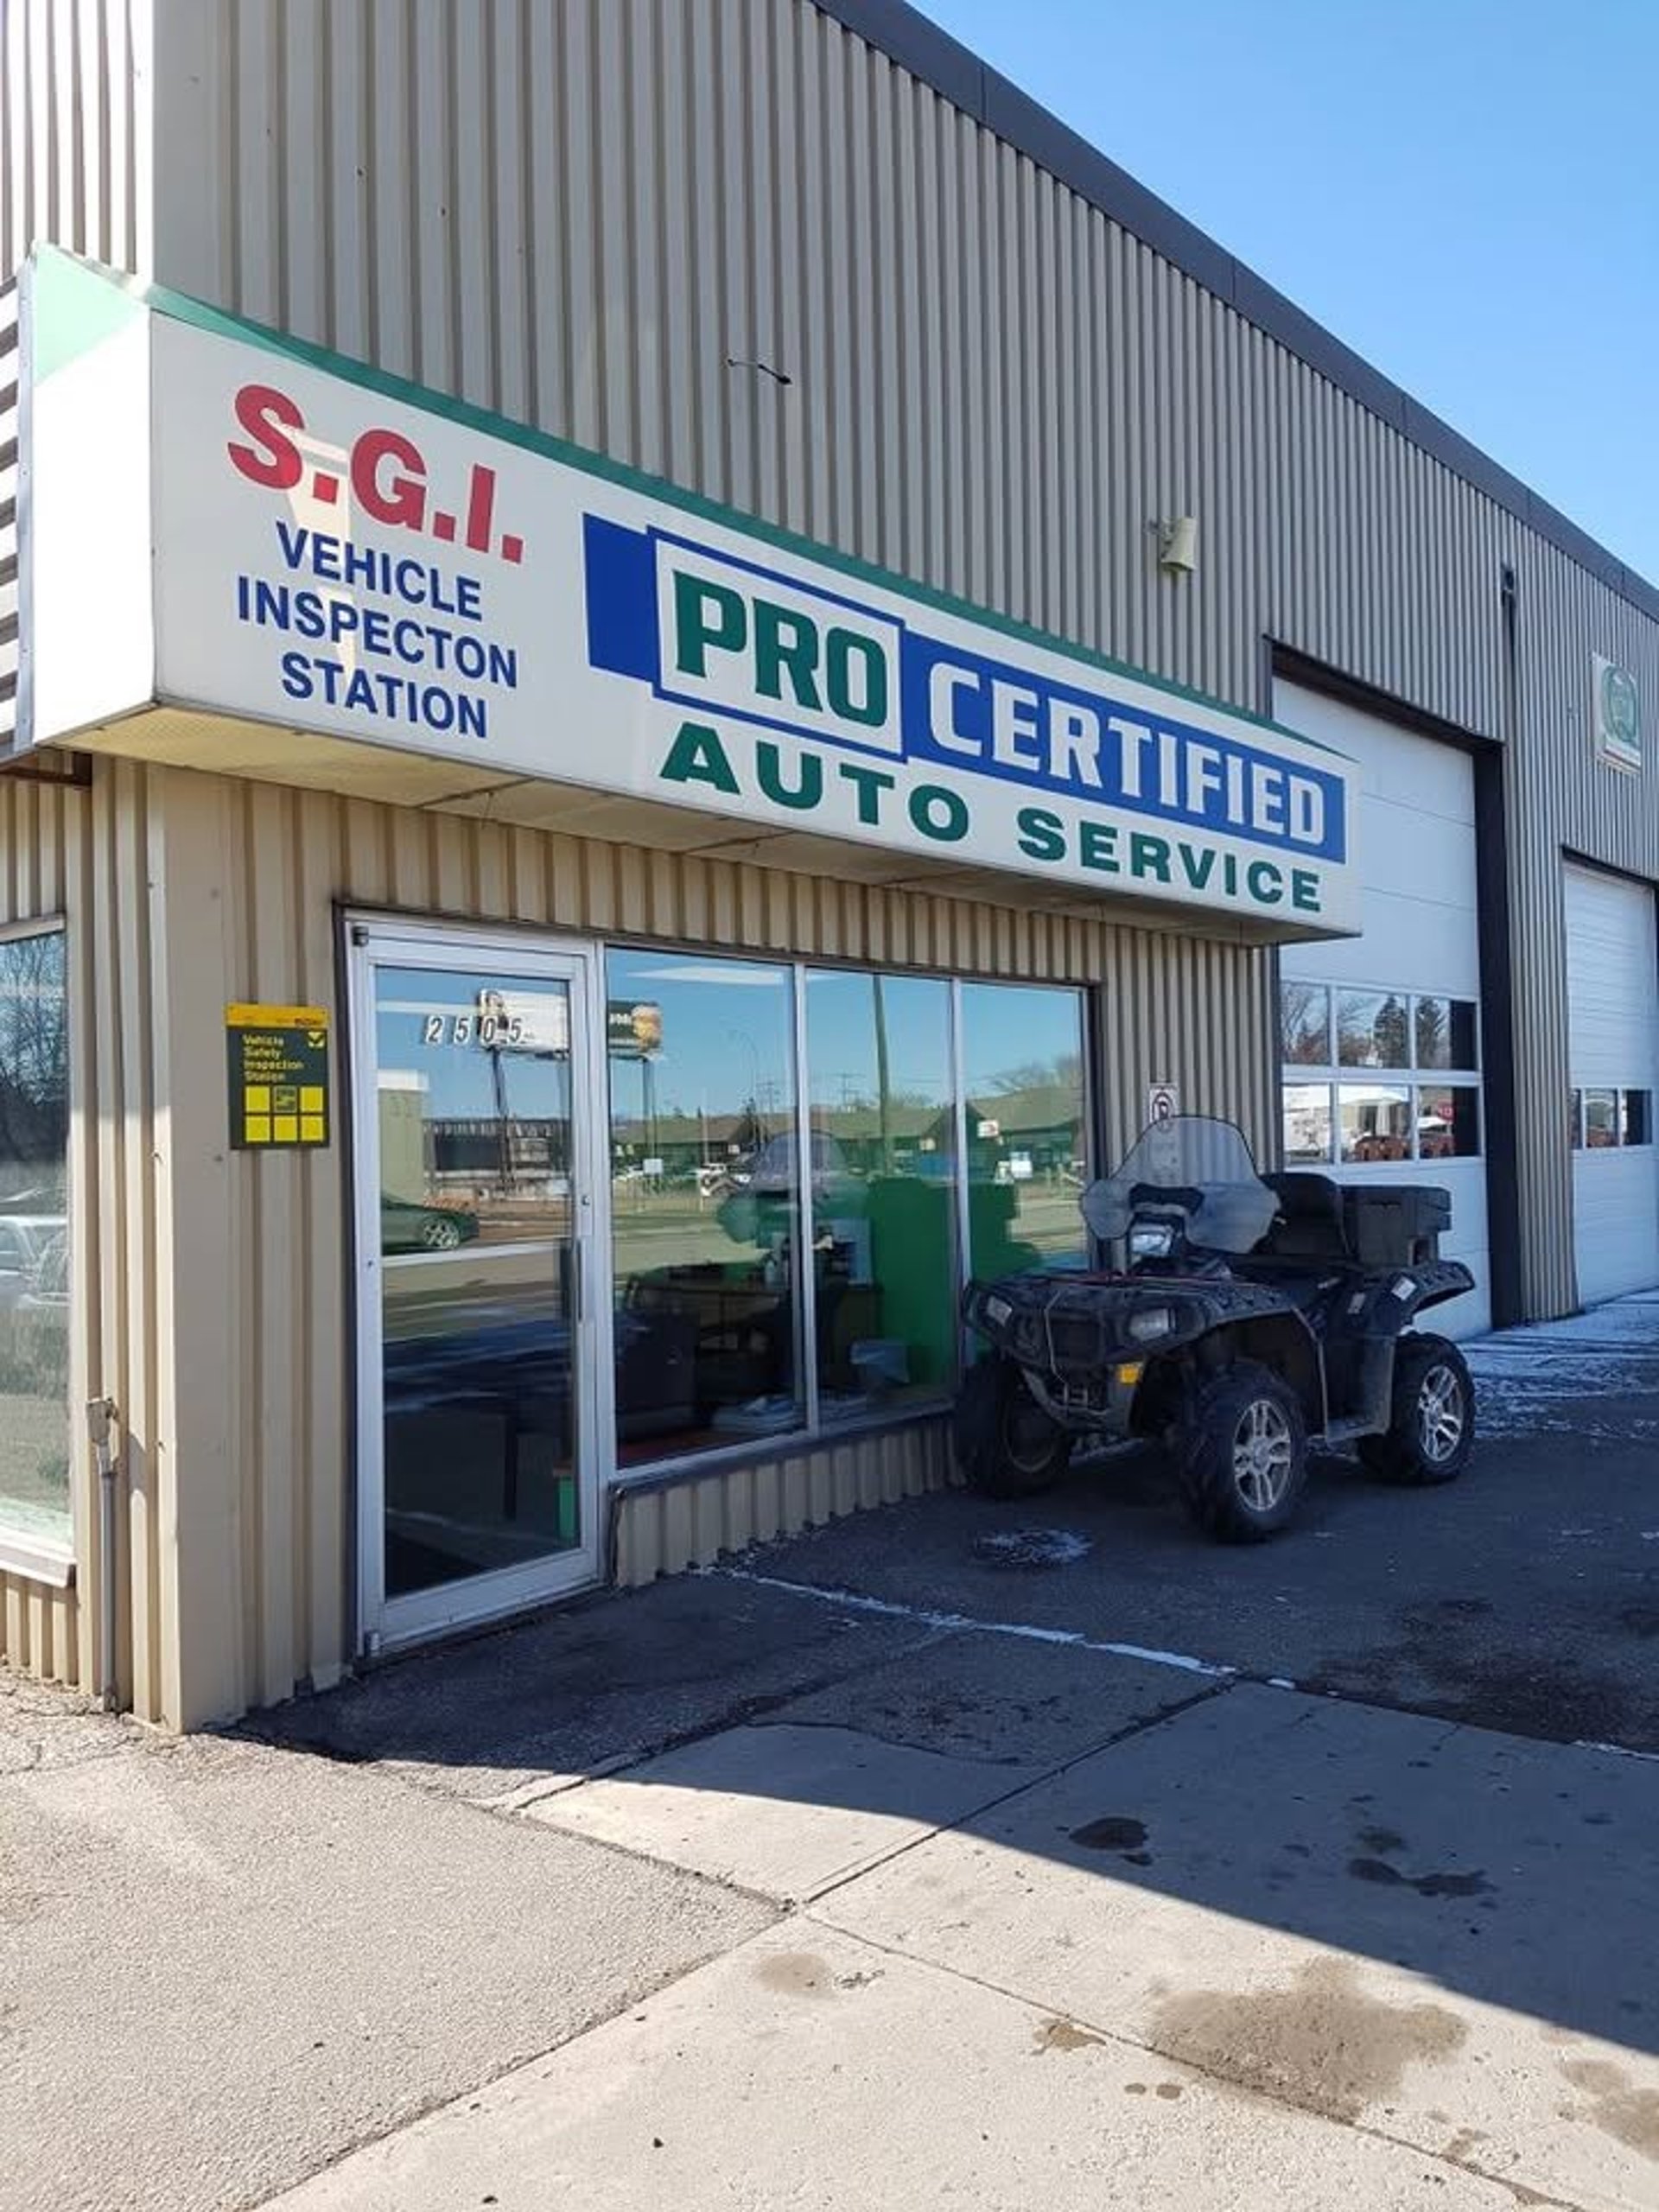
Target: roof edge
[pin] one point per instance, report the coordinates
(954, 70)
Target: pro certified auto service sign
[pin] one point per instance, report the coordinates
(336, 555)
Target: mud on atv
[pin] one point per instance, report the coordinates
(1248, 1316)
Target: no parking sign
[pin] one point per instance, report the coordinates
(1163, 1104)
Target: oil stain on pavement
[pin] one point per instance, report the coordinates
(1322, 2044)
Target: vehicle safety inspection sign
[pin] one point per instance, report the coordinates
(279, 1076)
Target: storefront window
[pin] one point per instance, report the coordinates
(884, 1189)
(33, 1239)
(712, 1310)
(704, 1165)
(1636, 1118)
(1307, 1122)
(1022, 1070)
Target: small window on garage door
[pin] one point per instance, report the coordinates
(1373, 1074)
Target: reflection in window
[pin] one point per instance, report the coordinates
(1023, 1068)
(1374, 1122)
(884, 1192)
(1307, 1124)
(33, 1239)
(1304, 1024)
(1600, 1120)
(1575, 1119)
(1446, 1034)
(1372, 1030)
(705, 1164)
(1636, 1118)
(473, 1091)
(1448, 1121)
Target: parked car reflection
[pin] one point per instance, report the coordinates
(406, 1226)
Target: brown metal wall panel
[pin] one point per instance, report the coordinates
(217, 1283)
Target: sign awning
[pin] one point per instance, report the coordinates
(290, 543)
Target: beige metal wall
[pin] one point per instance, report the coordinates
(223, 1329)
(575, 211)
(74, 129)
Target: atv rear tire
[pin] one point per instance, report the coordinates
(1006, 1445)
(1431, 1431)
(1244, 1454)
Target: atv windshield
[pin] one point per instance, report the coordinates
(1192, 1166)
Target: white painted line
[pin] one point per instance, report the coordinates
(1072, 1639)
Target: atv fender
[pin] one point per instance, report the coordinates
(1282, 1342)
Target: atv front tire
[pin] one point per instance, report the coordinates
(1431, 1428)
(1006, 1445)
(1244, 1454)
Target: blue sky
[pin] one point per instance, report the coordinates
(1466, 191)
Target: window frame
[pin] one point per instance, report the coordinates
(1332, 1075)
(27, 1553)
(811, 1433)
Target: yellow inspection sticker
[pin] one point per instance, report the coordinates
(278, 1058)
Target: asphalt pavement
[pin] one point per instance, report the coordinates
(957, 1852)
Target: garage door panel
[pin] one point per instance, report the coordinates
(1613, 978)
(1403, 849)
(1415, 848)
(1430, 777)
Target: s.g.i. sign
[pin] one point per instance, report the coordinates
(341, 553)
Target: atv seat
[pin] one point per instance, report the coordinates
(1311, 1222)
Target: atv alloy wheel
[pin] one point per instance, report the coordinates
(1006, 1445)
(1245, 1454)
(1431, 1432)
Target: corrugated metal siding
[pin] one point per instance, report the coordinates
(996, 389)
(575, 211)
(663, 1530)
(74, 136)
(222, 1325)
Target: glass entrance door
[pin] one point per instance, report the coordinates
(475, 1192)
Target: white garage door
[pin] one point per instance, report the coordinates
(1612, 986)
(1381, 1033)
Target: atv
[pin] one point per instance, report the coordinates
(1247, 1316)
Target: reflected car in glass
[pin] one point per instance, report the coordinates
(406, 1226)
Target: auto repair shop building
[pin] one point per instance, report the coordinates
(649, 641)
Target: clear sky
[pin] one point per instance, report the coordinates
(1465, 191)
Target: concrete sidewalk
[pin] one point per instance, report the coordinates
(1265, 1951)
(877, 1870)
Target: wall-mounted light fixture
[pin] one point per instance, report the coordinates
(1178, 545)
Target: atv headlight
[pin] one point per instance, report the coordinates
(999, 1311)
(1150, 1322)
(1151, 1240)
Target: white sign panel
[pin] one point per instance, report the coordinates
(1616, 713)
(334, 555)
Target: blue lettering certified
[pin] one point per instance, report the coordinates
(730, 638)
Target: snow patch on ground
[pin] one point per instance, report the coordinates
(1032, 1548)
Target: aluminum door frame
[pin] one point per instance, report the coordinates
(375, 941)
